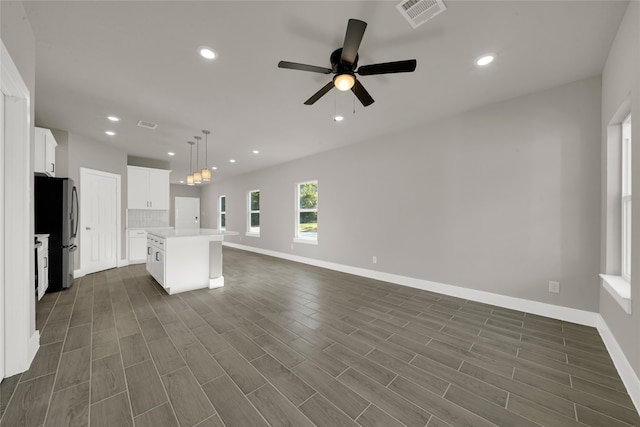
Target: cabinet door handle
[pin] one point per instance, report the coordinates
(148, 250)
(46, 262)
(53, 167)
(157, 253)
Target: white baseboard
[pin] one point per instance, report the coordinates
(123, 263)
(626, 372)
(582, 317)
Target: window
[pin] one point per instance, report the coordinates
(253, 218)
(222, 213)
(626, 199)
(307, 212)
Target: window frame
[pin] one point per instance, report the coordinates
(297, 237)
(222, 212)
(625, 198)
(250, 212)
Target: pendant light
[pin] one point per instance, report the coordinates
(197, 176)
(190, 176)
(206, 172)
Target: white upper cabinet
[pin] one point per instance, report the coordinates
(45, 152)
(147, 188)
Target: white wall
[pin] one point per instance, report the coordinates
(21, 337)
(500, 199)
(621, 85)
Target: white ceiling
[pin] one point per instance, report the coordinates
(139, 60)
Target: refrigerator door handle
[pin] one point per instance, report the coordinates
(75, 211)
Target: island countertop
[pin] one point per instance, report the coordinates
(190, 232)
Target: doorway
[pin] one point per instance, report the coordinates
(99, 220)
(187, 212)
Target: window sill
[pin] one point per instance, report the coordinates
(619, 289)
(252, 234)
(305, 241)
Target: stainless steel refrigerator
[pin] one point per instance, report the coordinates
(57, 214)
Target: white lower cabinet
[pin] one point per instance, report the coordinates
(137, 240)
(184, 260)
(155, 258)
(43, 265)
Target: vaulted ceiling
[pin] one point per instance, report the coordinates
(139, 60)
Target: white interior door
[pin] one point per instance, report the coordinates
(187, 212)
(99, 220)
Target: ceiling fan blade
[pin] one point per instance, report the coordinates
(319, 94)
(352, 39)
(407, 66)
(303, 67)
(362, 94)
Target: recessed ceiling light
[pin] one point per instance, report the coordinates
(171, 153)
(113, 118)
(213, 168)
(485, 59)
(110, 132)
(232, 160)
(256, 151)
(338, 118)
(207, 53)
(181, 182)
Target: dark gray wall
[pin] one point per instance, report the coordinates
(501, 199)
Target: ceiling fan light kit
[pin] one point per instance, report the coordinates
(344, 82)
(344, 64)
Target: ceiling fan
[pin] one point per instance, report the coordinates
(344, 64)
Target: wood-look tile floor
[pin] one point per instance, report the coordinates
(286, 344)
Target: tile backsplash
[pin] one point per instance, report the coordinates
(140, 218)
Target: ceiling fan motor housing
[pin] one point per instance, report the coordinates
(340, 67)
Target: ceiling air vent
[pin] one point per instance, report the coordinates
(417, 12)
(147, 125)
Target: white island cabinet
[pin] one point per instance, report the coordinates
(186, 259)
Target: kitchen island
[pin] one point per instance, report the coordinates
(186, 259)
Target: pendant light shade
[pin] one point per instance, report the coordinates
(190, 180)
(206, 172)
(197, 176)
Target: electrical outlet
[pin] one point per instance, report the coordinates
(554, 287)
(374, 259)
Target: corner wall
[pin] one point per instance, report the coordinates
(501, 199)
(621, 84)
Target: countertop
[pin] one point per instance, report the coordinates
(148, 228)
(190, 232)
